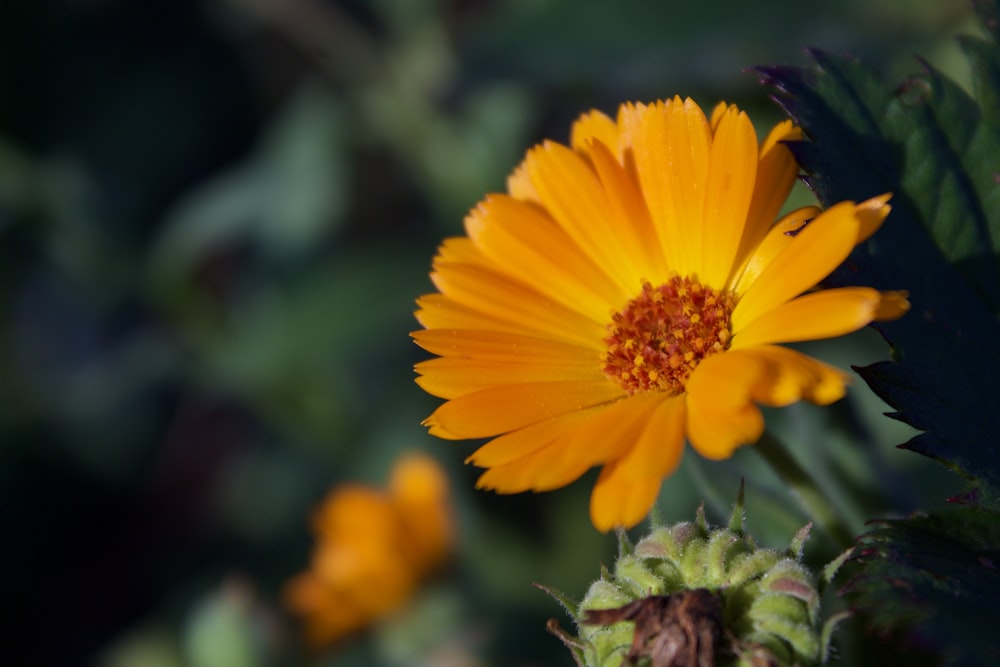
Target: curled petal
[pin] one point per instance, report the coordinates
(791, 376)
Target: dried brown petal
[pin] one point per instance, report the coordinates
(678, 630)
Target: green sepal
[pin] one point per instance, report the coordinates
(738, 519)
(632, 573)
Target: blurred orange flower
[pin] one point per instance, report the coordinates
(374, 548)
(629, 293)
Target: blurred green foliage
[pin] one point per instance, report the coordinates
(215, 217)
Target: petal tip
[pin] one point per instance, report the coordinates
(892, 306)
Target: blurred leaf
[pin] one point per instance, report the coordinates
(432, 630)
(930, 144)
(145, 647)
(649, 49)
(288, 195)
(262, 493)
(940, 572)
(315, 354)
(224, 632)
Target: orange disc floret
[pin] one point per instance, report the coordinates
(661, 336)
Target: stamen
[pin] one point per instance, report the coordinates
(661, 336)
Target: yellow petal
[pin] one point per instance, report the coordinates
(506, 408)
(614, 430)
(872, 213)
(504, 347)
(718, 111)
(573, 196)
(721, 415)
(558, 451)
(436, 311)
(508, 300)
(586, 438)
(628, 486)
(553, 453)
(620, 502)
(791, 376)
(776, 173)
(892, 306)
(593, 125)
(811, 256)
(629, 217)
(629, 121)
(825, 314)
(777, 239)
(731, 175)
(658, 450)
(519, 185)
(509, 448)
(671, 156)
(542, 470)
(451, 377)
(518, 239)
(459, 250)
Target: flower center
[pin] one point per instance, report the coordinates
(660, 336)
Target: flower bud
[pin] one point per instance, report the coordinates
(692, 590)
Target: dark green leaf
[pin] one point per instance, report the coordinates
(940, 573)
(989, 15)
(937, 149)
(927, 142)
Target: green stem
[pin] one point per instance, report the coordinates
(804, 487)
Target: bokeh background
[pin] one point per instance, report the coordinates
(214, 218)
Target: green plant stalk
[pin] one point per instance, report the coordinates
(804, 487)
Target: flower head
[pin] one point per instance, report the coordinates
(630, 292)
(374, 548)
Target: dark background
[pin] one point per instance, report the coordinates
(214, 218)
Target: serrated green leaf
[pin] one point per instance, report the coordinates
(937, 149)
(929, 143)
(985, 64)
(941, 573)
(988, 12)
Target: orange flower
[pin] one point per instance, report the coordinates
(630, 292)
(374, 549)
